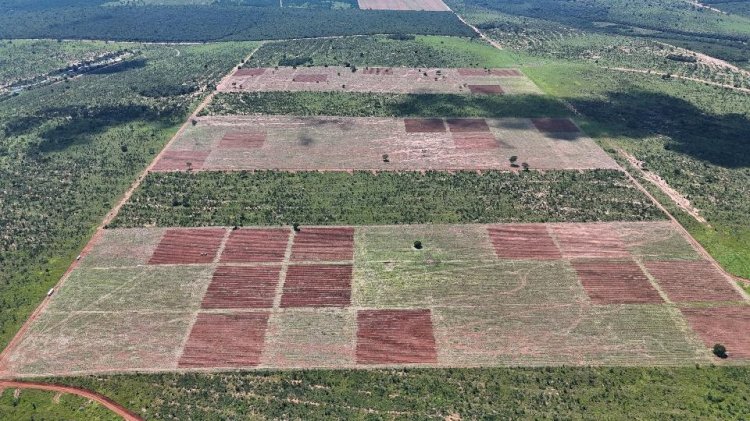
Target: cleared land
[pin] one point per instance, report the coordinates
(426, 5)
(346, 143)
(399, 80)
(473, 295)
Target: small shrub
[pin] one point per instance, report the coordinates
(418, 245)
(295, 227)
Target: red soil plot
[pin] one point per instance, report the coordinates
(486, 89)
(255, 245)
(554, 125)
(462, 125)
(181, 160)
(314, 78)
(479, 141)
(616, 282)
(242, 287)
(184, 246)
(424, 125)
(523, 241)
(589, 240)
(395, 337)
(225, 340)
(728, 326)
(692, 281)
(378, 71)
(317, 286)
(490, 72)
(242, 140)
(323, 244)
(251, 71)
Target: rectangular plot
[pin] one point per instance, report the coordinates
(185, 245)
(323, 244)
(555, 125)
(424, 125)
(523, 241)
(475, 141)
(486, 89)
(317, 286)
(490, 72)
(659, 240)
(426, 5)
(225, 341)
(242, 140)
(180, 160)
(616, 282)
(255, 245)
(249, 71)
(313, 78)
(589, 240)
(395, 337)
(242, 287)
(728, 326)
(123, 247)
(692, 281)
(459, 125)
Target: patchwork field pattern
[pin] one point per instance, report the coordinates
(346, 143)
(473, 295)
(427, 5)
(397, 80)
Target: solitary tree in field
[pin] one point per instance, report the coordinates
(385, 158)
(720, 351)
(295, 227)
(418, 245)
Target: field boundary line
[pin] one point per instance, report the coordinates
(99, 231)
(284, 269)
(108, 403)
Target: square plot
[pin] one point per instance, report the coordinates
(522, 241)
(323, 244)
(615, 282)
(225, 340)
(728, 326)
(317, 286)
(467, 125)
(589, 240)
(255, 245)
(242, 287)
(424, 125)
(486, 89)
(185, 246)
(395, 337)
(478, 141)
(242, 140)
(252, 71)
(692, 281)
(181, 160)
(312, 78)
(555, 125)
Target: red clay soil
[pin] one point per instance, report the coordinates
(462, 125)
(378, 71)
(692, 281)
(395, 337)
(255, 245)
(94, 396)
(555, 125)
(252, 71)
(323, 244)
(523, 241)
(317, 286)
(615, 282)
(476, 141)
(490, 72)
(589, 240)
(242, 140)
(180, 160)
(313, 78)
(242, 287)
(225, 340)
(424, 125)
(728, 326)
(186, 245)
(486, 89)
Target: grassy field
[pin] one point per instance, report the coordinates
(271, 198)
(40, 405)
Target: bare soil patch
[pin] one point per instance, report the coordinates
(180, 160)
(323, 244)
(692, 281)
(310, 78)
(470, 125)
(475, 141)
(616, 282)
(486, 89)
(181, 246)
(250, 71)
(424, 125)
(589, 241)
(728, 326)
(523, 241)
(317, 286)
(225, 340)
(255, 245)
(555, 125)
(490, 72)
(242, 140)
(395, 337)
(234, 287)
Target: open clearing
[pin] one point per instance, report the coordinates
(399, 80)
(427, 5)
(473, 295)
(363, 143)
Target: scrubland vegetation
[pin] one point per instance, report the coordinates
(40, 405)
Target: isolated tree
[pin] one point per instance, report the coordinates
(385, 158)
(720, 351)
(295, 227)
(418, 245)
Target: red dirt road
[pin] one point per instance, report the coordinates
(101, 399)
